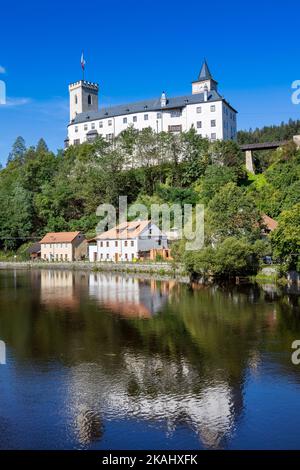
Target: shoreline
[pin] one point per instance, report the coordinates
(150, 270)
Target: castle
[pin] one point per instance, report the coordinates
(204, 109)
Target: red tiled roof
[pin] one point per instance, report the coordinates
(59, 237)
(125, 230)
(269, 223)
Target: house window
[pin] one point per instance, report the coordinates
(76, 128)
(159, 242)
(124, 120)
(101, 256)
(132, 242)
(101, 124)
(61, 257)
(107, 256)
(199, 109)
(212, 108)
(213, 136)
(45, 256)
(85, 127)
(107, 243)
(66, 257)
(89, 100)
(76, 141)
(134, 118)
(146, 117)
(213, 123)
(158, 116)
(199, 124)
(126, 256)
(101, 243)
(175, 113)
(125, 243)
(132, 256)
(110, 122)
(116, 243)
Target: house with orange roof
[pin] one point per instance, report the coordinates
(63, 246)
(127, 241)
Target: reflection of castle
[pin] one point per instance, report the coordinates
(127, 296)
(164, 391)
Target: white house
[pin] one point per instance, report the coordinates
(127, 241)
(204, 109)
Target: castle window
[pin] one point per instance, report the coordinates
(89, 100)
(93, 125)
(85, 127)
(199, 124)
(176, 113)
(146, 117)
(213, 136)
(110, 122)
(134, 119)
(158, 116)
(213, 123)
(199, 110)
(76, 99)
(213, 108)
(76, 128)
(76, 141)
(100, 123)
(124, 120)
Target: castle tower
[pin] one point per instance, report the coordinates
(83, 97)
(205, 81)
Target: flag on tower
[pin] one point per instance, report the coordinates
(82, 61)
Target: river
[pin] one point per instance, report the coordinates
(106, 361)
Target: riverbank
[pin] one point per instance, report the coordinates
(161, 270)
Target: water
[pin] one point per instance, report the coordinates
(98, 361)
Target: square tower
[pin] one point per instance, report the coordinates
(83, 97)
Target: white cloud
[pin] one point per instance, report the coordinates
(2, 69)
(17, 101)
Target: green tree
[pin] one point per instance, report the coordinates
(286, 238)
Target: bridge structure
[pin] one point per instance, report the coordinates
(250, 148)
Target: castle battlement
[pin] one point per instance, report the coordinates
(85, 84)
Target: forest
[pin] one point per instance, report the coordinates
(42, 191)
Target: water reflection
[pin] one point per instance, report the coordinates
(168, 365)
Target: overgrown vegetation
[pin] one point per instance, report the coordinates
(41, 192)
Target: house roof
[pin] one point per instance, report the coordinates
(59, 237)
(147, 105)
(269, 223)
(204, 73)
(34, 248)
(125, 230)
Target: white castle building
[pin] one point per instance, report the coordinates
(205, 110)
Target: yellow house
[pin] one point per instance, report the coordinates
(63, 246)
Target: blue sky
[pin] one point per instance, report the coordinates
(136, 49)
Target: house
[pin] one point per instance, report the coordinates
(34, 251)
(204, 109)
(268, 224)
(63, 246)
(127, 241)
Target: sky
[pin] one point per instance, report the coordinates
(136, 49)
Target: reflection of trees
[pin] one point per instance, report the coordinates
(184, 365)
